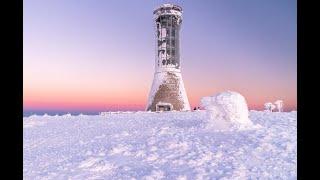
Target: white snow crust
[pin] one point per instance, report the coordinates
(168, 145)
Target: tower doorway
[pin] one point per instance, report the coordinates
(164, 107)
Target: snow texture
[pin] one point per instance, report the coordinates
(226, 109)
(168, 145)
(158, 79)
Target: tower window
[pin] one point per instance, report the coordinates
(173, 42)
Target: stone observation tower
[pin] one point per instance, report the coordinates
(167, 91)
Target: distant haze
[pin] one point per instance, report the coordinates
(91, 56)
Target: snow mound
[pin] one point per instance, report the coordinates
(226, 109)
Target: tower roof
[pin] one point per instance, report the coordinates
(167, 7)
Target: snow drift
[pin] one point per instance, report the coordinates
(225, 110)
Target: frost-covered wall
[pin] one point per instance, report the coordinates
(167, 86)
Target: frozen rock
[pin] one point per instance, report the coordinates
(226, 109)
(279, 105)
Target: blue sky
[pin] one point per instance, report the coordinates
(93, 55)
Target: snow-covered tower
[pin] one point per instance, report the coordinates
(167, 91)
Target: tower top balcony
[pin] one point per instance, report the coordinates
(167, 9)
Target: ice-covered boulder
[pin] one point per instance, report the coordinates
(226, 109)
(279, 105)
(269, 106)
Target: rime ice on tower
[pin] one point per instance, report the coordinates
(167, 91)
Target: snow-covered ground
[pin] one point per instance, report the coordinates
(170, 145)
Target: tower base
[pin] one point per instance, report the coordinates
(168, 93)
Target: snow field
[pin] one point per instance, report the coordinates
(169, 145)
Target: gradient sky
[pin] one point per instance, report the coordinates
(98, 55)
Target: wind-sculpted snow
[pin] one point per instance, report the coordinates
(173, 145)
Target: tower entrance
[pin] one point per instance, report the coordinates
(164, 106)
